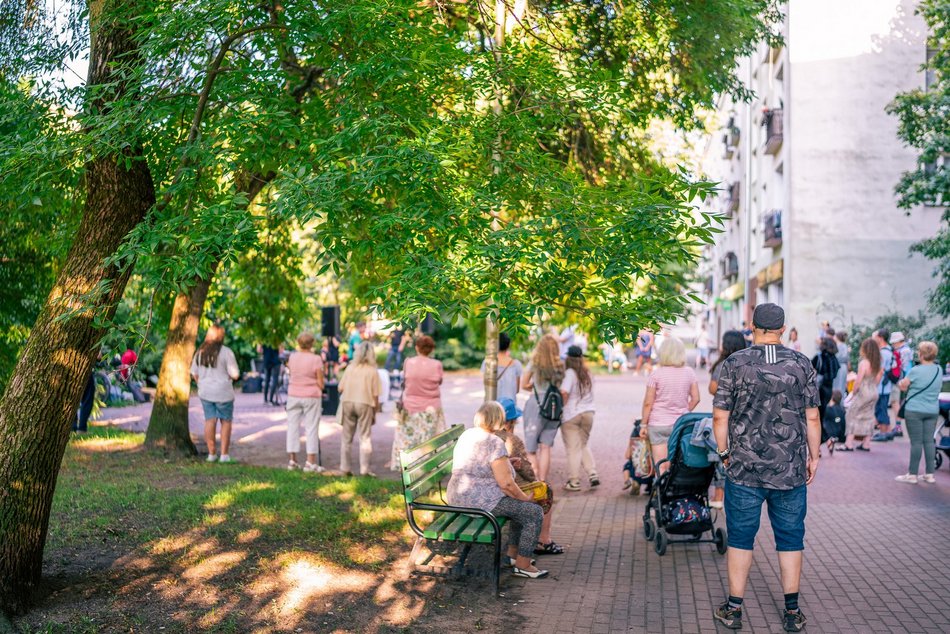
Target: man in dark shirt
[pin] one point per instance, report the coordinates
(396, 345)
(766, 413)
(271, 373)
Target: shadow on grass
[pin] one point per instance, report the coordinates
(143, 543)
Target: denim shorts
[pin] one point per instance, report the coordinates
(880, 409)
(743, 506)
(224, 411)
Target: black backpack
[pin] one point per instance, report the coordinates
(552, 405)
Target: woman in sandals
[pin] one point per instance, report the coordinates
(545, 369)
(483, 478)
(524, 474)
(860, 419)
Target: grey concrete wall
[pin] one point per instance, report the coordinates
(846, 242)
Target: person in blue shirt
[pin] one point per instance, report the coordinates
(921, 411)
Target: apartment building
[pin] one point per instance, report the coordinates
(808, 170)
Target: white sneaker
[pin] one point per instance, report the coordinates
(907, 478)
(212, 457)
(225, 458)
(292, 465)
(309, 467)
(928, 478)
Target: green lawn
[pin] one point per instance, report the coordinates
(136, 538)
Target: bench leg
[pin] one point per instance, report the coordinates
(497, 569)
(414, 555)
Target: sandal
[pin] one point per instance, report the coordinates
(550, 548)
(860, 448)
(845, 448)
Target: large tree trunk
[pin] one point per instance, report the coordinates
(38, 408)
(168, 424)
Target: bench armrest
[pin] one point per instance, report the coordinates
(442, 508)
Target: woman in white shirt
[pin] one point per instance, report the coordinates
(578, 416)
(215, 369)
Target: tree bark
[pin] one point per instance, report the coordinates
(38, 408)
(168, 424)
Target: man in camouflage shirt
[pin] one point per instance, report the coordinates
(765, 419)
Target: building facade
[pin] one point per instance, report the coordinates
(808, 170)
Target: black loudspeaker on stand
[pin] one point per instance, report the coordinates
(331, 321)
(331, 398)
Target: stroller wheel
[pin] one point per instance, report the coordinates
(649, 529)
(720, 536)
(660, 544)
(938, 460)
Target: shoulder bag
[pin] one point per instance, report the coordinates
(901, 411)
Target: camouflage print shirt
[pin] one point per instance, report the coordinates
(766, 389)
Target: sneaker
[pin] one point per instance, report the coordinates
(898, 432)
(928, 478)
(907, 478)
(225, 458)
(793, 621)
(881, 437)
(572, 485)
(627, 483)
(293, 465)
(594, 481)
(309, 467)
(212, 458)
(730, 617)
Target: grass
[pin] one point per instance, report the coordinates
(184, 527)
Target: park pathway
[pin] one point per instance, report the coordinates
(876, 550)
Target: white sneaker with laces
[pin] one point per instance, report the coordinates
(212, 458)
(928, 478)
(309, 467)
(907, 478)
(224, 458)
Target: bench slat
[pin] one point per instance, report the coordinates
(474, 530)
(426, 484)
(432, 462)
(451, 533)
(413, 454)
(435, 528)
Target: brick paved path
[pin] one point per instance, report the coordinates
(877, 551)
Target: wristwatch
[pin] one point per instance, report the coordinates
(723, 454)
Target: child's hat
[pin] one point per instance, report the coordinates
(511, 409)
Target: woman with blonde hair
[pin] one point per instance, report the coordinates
(304, 402)
(672, 390)
(359, 396)
(483, 478)
(859, 419)
(922, 408)
(544, 370)
(214, 368)
(421, 416)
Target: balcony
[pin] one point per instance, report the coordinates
(730, 266)
(735, 190)
(730, 140)
(772, 122)
(772, 229)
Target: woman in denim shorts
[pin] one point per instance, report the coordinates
(215, 369)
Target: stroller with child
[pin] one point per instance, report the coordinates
(679, 503)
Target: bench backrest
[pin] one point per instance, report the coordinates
(425, 465)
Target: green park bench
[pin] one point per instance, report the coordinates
(424, 467)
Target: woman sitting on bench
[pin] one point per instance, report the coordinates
(483, 478)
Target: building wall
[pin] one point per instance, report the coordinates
(847, 242)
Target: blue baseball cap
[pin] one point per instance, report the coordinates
(511, 410)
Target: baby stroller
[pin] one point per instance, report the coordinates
(942, 439)
(679, 503)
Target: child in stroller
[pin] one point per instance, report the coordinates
(638, 469)
(679, 503)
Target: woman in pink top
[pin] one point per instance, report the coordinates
(304, 396)
(421, 417)
(672, 390)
